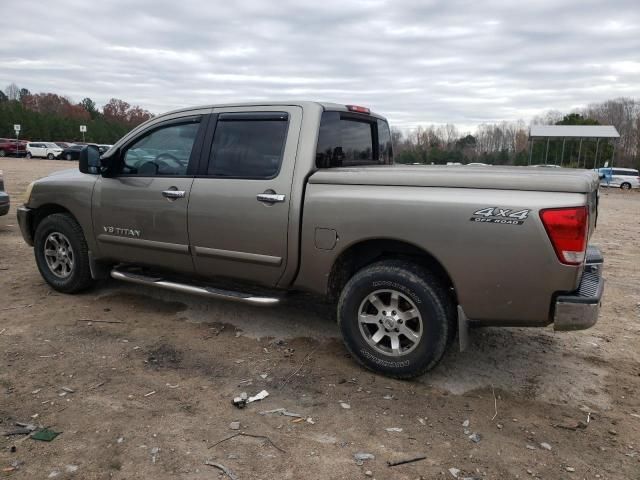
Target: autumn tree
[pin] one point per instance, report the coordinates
(116, 110)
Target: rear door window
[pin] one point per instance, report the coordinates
(347, 140)
(248, 145)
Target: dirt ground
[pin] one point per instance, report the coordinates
(152, 388)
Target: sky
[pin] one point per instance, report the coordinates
(415, 61)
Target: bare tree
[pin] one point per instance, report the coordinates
(13, 92)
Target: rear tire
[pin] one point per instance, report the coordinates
(625, 186)
(62, 254)
(411, 336)
(3, 153)
(28, 155)
(68, 156)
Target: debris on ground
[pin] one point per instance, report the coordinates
(454, 472)
(408, 460)
(281, 411)
(465, 424)
(345, 405)
(243, 399)
(393, 429)
(68, 390)
(475, 437)
(222, 468)
(45, 435)
(546, 446)
(154, 454)
(361, 457)
(580, 425)
(25, 429)
(234, 425)
(244, 434)
(570, 469)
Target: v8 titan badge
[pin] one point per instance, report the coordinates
(503, 216)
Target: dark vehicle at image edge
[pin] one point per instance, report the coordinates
(5, 203)
(72, 152)
(305, 196)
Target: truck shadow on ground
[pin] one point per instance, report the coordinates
(531, 363)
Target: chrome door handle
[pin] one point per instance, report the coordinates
(271, 197)
(173, 194)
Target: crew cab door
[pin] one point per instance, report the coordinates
(240, 199)
(140, 214)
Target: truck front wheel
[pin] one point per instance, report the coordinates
(395, 318)
(62, 254)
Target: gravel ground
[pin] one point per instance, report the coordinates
(153, 374)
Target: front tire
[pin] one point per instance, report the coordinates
(69, 157)
(62, 254)
(50, 156)
(625, 186)
(3, 153)
(395, 318)
(29, 155)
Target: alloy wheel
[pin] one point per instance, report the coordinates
(59, 255)
(390, 322)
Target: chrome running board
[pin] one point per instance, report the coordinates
(193, 289)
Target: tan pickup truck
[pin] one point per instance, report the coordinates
(305, 196)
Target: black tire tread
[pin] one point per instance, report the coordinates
(428, 281)
(81, 278)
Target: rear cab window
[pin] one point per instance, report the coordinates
(349, 139)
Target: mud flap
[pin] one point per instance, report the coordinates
(463, 329)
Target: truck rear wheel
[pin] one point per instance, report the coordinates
(62, 254)
(395, 318)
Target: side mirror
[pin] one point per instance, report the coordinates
(90, 160)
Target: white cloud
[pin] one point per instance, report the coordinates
(416, 61)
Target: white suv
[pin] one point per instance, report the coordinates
(43, 149)
(625, 178)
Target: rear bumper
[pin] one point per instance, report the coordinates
(580, 309)
(24, 220)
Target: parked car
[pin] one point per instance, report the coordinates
(304, 196)
(4, 197)
(64, 145)
(10, 147)
(625, 178)
(72, 152)
(104, 148)
(546, 165)
(43, 150)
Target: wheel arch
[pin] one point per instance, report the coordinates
(43, 212)
(360, 254)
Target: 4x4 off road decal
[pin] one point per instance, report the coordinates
(503, 216)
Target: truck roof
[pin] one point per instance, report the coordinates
(267, 103)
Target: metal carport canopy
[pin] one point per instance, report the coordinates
(573, 131)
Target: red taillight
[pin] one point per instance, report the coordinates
(567, 229)
(356, 108)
